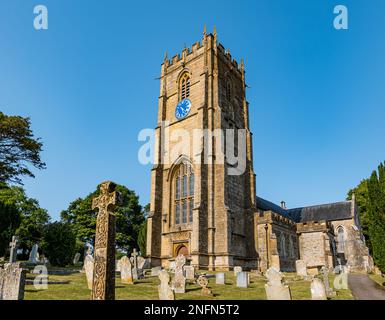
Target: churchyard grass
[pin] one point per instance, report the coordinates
(147, 289)
(379, 279)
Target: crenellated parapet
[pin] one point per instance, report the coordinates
(314, 226)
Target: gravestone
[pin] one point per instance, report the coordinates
(155, 271)
(141, 264)
(189, 272)
(236, 270)
(134, 261)
(275, 289)
(164, 290)
(203, 282)
(220, 278)
(117, 265)
(242, 279)
(13, 245)
(325, 276)
(301, 268)
(76, 258)
(126, 270)
(34, 254)
(12, 282)
(103, 287)
(317, 289)
(89, 270)
(179, 281)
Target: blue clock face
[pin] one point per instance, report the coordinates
(183, 109)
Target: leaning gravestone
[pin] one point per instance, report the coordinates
(103, 287)
(189, 272)
(325, 276)
(301, 268)
(89, 269)
(13, 245)
(126, 270)
(179, 281)
(317, 289)
(203, 282)
(164, 289)
(34, 254)
(220, 278)
(242, 279)
(12, 282)
(236, 270)
(274, 288)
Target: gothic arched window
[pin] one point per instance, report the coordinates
(184, 194)
(341, 239)
(184, 86)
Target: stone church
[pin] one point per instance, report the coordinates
(213, 218)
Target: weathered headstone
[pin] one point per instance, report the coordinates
(203, 282)
(34, 254)
(301, 268)
(103, 287)
(155, 271)
(12, 282)
(242, 279)
(189, 272)
(220, 278)
(236, 270)
(126, 270)
(13, 245)
(89, 270)
(317, 289)
(325, 276)
(164, 289)
(76, 258)
(141, 264)
(172, 266)
(275, 289)
(179, 281)
(134, 261)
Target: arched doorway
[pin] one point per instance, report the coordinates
(182, 249)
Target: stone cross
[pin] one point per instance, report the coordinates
(325, 276)
(103, 287)
(203, 282)
(134, 259)
(13, 249)
(164, 289)
(179, 281)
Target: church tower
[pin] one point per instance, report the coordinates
(197, 208)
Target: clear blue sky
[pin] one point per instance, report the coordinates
(317, 98)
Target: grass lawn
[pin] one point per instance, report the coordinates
(379, 279)
(147, 289)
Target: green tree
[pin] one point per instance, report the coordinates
(59, 243)
(32, 218)
(142, 236)
(376, 215)
(362, 199)
(10, 218)
(18, 149)
(129, 218)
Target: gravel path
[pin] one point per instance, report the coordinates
(364, 288)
